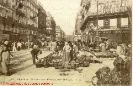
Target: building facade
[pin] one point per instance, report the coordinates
(110, 20)
(78, 24)
(51, 27)
(60, 35)
(42, 22)
(17, 19)
(79, 35)
(69, 38)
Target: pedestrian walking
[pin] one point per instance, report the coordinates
(5, 58)
(19, 45)
(14, 47)
(34, 52)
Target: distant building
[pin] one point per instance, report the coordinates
(60, 35)
(51, 27)
(78, 25)
(76, 37)
(69, 37)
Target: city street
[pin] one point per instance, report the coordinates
(24, 70)
(65, 43)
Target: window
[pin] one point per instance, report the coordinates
(100, 23)
(113, 22)
(124, 22)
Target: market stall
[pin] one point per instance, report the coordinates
(82, 59)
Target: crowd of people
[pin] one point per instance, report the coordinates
(17, 45)
(6, 47)
(68, 48)
(21, 45)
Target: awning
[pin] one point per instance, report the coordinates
(113, 31)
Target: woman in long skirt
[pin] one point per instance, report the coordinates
(66, 55)
(5, 58)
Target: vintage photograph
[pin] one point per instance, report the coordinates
(65, 42)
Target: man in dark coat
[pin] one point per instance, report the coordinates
(34, 53)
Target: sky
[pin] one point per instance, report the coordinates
(64, 12)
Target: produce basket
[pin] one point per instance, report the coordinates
(39, 63)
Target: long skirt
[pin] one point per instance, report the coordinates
(14, 48)
(66, 59)
(5, 61)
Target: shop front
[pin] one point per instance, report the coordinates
(119, 36)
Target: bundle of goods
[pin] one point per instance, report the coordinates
(83, 58)
(103, 75)
(83, 61)
(123, 68)
(39, 63)
(73, 64)
(120, 75)
(89, 56)
(48, 60)
(52, 60)
(105, 54)
(57, 60)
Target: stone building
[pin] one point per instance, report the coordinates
(51, 27)
(17, 20)
(60, 34)
(42, 15)
(110, 19)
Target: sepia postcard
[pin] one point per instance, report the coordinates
(65, 42)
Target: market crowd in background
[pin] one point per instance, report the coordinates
(69, 49)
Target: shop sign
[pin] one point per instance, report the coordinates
(112, 7)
